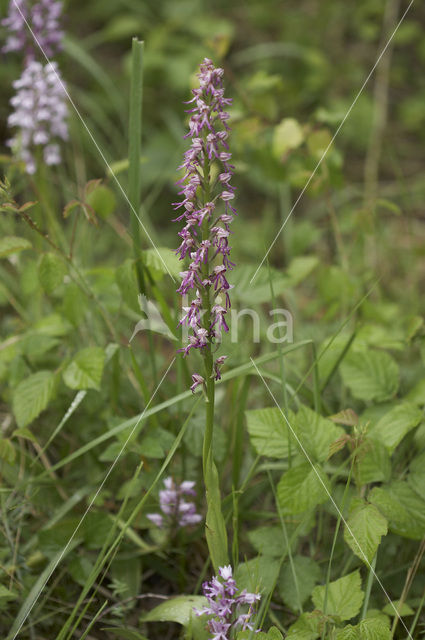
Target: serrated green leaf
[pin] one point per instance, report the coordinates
(301, 488)
(344, 598)
(307, 572)
(85, 370)
(416, 478)
(403, 508)
(395, 424)
(32, 396)
(370, 375)
(305, 628)
(376, 628)
(363, 531)
(373, 463)
(13, 244)
(51, 272)
(272, 634)
(315, 433)
(24, 433)
(269, 431)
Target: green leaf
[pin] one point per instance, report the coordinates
(345, 597)
(370, 375)
(287, 135)
(127, 281)
(403, 508)
(13, 244)
(178, 609)
(7, 450)
(258, 574)
(269, 431)
(376, 628)
(305, 628)
(364, 530)
(402, 609)
(32, 396)
(301, 488)
(373, 463)
(268, 541)
(316, 433)
(162, 261)
(307, 572)
(299, 268)
(6, 594)
(102, 200)
(85, 370)
(215, 527)
(416, 478)
(24, 433)
(395, 424)
(51, 272)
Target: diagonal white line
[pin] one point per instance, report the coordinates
(332, 141)
(330, 497)
(95, 496)
(102, 155)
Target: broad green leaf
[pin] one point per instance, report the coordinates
(307, 572)
(402, 609)
(178, 609)
(416, 478)
(363, 531)
(258, 574)
(316, 433)
(162, 261)
(403, 508)
(258, 291)
(269, 431)
(51, 272)
(370, 375)
(85, 370)
(376, 628)
(103, 201)
(345, 597)
(286, 136)
(268, 541)
(305, 628)
(299, 268)
(395, 424)
(24, 433)
(32, 396)
(12, 244)
(318, 142)
(302, 488)
(373, 463)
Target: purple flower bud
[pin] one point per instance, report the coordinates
(176, 511)
(197, 380)
(39, 114)
(43, 18)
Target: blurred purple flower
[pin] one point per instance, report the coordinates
(224, 605)
(176, 511)
(206, 231)
(39, 115)
(43, 17)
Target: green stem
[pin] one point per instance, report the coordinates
(369, 583)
